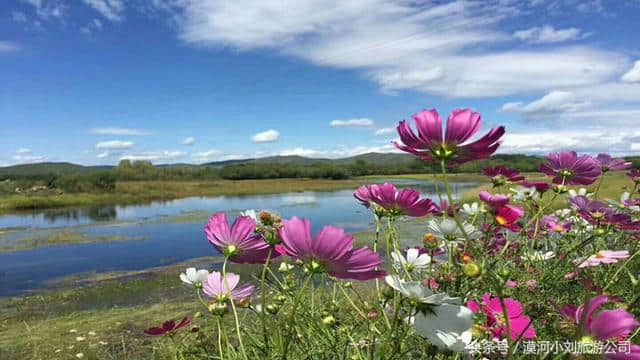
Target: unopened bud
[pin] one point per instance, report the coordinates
(218, 309)
(471, 269)
(329, 320)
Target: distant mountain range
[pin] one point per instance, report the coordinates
(66, 168)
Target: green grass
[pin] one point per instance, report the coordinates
(52, 237)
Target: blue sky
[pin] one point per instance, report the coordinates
(96, 81)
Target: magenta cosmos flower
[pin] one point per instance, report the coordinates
(540, 186)
(634, 174)
(331, 251)
(225, 288)
(429, 143)
(496, 201)
(521, 325)
(239, 242)
(501, 175)
(607, 163)
(168, 327)
(570, 169)
(607, 325)
(553, 225)
(394, 201)
(508, 216)
(604, 257)
(599, 214)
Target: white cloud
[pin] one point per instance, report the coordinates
(7, 46)
(555, 101)
(591, 141)
(120, 131)
(547, 34)
(110, 9)
(28, 158)
(356, 122)
(103, 155)
(114, 144)
(189, 141)
(23, 151)
(432, 47)
(633, 75)
(299, 151)
(266, 136)
(155, 156)
(47, 10)
(511, 106)
(385, 131)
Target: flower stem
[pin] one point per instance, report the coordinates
(233, 308)
(263, 314)
(219, 338)
(507, 323)
(447, 188)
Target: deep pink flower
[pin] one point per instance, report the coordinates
(540, 186)
(606, 325)
(570, 169)
(331, 251)
(598, 213)
(521, 325)
(168, 327)
(508, 216)
(239, 242)
(496, 201)
(511, 284)
(429, 143)
(222, 288)
(501, 175)
(607, 163)
(604, 257)
(634, 174)
(553, 225)
(397, 202)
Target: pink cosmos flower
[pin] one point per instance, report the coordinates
(397, 202)
(570, 169)
(496, 201)
(222, 288)
(634, 174)
(599, 214)
(501, 175)
(330, 251)
(607, 163)
(445, 209)
(607, 325)
(540, 186)
(429, 143)
(508, 216)
(521, 325)
(604, 257)
(168, 327)
(553, 225)
(239, 242)
(511, 284)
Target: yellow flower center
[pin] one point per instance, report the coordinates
(501, 220)
(599, 255)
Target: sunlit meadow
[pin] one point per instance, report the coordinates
(532, 268)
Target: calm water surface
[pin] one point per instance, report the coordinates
(165, 242)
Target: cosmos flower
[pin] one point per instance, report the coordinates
(540, 186)
(553, 225)
(168, 327)
(429, 143)
(522, 193)
(331, 251)
(607, 163)
(568, 168)
(634, 175)
(508, 216)
(446, 209)
(606, 325)
(413, 261)
(194, 277)
(579, 192)
(222, 288)
(521, 325)
(598, 213)
(472, 209)
(396, 202)
(239, 242)
(501, 175)
(447, 229)
(604, 257)
(496, 201)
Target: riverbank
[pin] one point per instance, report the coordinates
(140, 192)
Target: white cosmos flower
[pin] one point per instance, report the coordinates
(447, 229)
(250, 213)
(447, 326)
(580, 192)
(472, 209)
(417, 291)
(522, 193)
(413, 261)
(194, 277)
(538, 255)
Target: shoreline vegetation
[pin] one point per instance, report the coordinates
(140, 192)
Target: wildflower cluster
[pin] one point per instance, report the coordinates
(503, 269)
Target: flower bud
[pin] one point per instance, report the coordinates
(273, 308)
(218, 309)
(285, 267)
(503, 273)
(348, 285)
(430, 241)
(280, 299)
(329, 320)
(560, 189)
(197, 315)
(471, 269)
